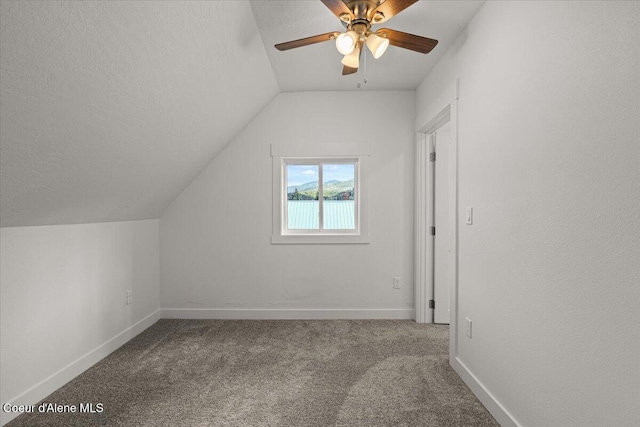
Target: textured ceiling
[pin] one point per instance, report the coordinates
(318, 67)
(109, 109)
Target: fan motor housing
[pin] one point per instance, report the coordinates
(360, 26)
(363, 9)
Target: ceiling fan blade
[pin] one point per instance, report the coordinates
(391, 8)
(408, 41)
(307, 41)
(348, 70)
(337, 7)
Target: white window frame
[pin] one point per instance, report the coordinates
(283, 155)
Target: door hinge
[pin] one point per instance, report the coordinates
(433, 231)
(432, 304)
(432, 156)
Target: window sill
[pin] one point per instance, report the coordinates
(330, 239)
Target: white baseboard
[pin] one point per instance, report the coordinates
(495, 408)
(75, 368)
(286, 314)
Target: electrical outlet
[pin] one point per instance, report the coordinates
(396, 283)
(129, 296)
(469, 324)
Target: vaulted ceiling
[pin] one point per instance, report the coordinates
(109, 109)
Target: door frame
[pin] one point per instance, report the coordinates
(424, 220)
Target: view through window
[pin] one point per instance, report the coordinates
(321, 196)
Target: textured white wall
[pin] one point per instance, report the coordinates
(63, 293)
(216, 250)
(550, 160)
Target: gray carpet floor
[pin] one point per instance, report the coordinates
(273, 373)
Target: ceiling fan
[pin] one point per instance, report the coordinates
(358, 16)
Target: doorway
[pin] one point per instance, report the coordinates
(436, 249)
(441, 143)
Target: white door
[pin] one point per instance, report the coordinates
(441, 248)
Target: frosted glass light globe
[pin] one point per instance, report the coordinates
(377, 45)
(346, 42)
(353, 59)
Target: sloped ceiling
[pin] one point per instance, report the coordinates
(109, 109)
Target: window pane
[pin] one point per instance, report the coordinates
(338, 196)
(302, 197)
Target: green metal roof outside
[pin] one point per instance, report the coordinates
(304, 214)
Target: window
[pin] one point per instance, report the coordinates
(320, 196)
(319, 199)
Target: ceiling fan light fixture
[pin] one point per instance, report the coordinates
(353, 59)
(377, 45)
(346, 42)
(357, 16)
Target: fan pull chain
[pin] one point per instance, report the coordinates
(365, 65)
(364, 69)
